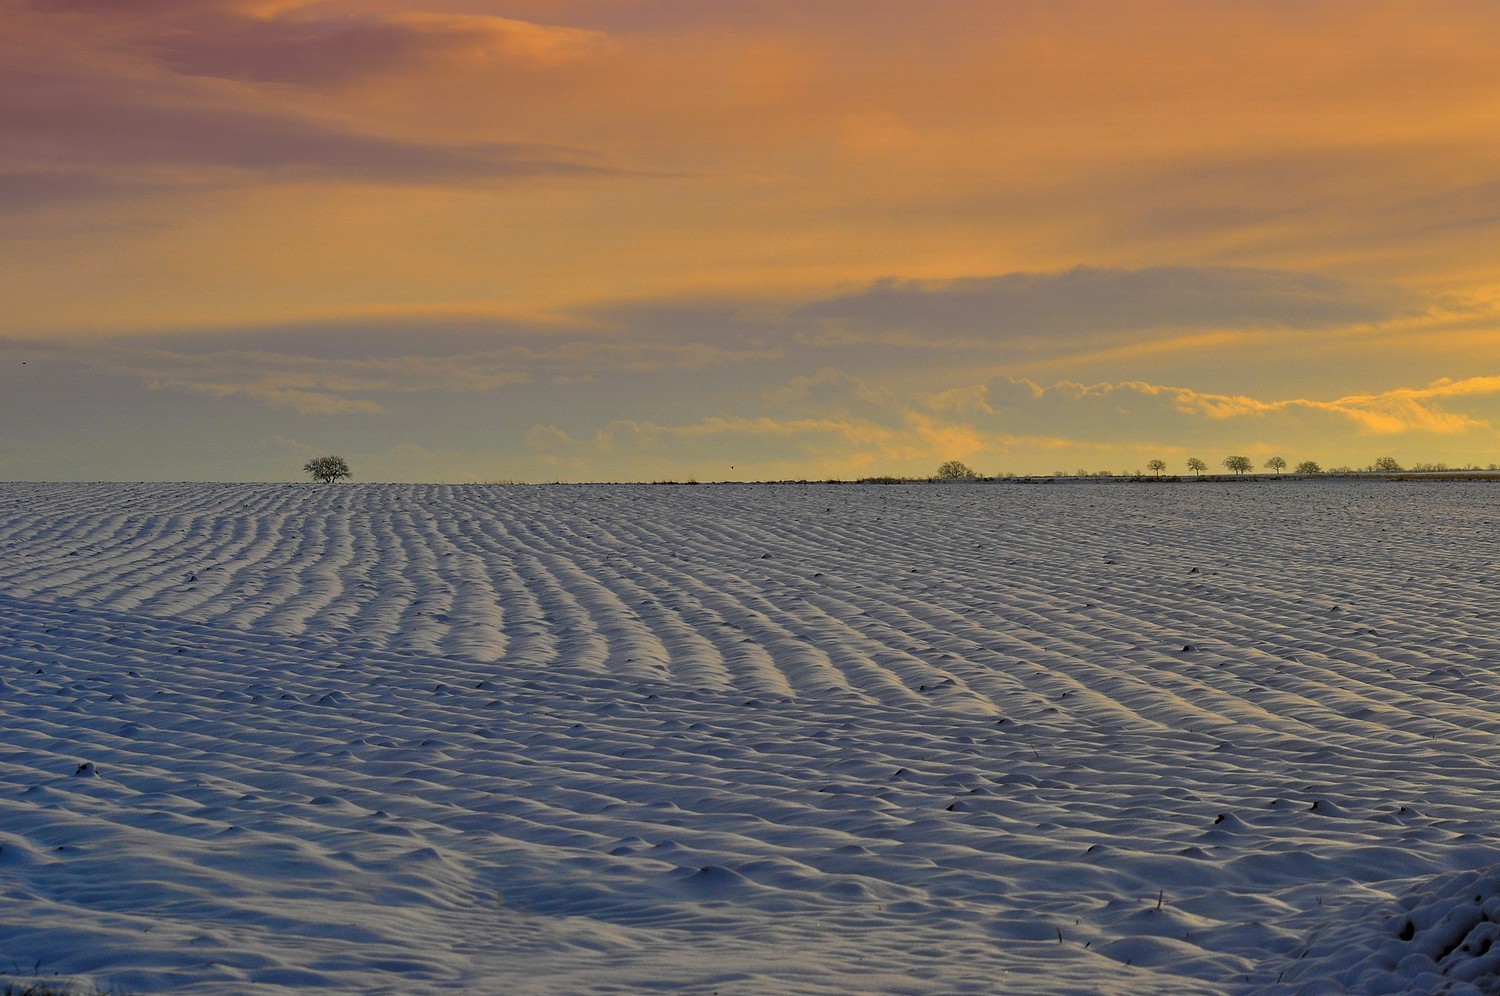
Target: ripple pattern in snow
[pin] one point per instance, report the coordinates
(1050, 738)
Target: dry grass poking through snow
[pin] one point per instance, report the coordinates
(1081, 737)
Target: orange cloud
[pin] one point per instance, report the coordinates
(1390, 412)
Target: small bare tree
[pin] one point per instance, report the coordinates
(956, 470)
(1387, 465)
(327, 469)
(1157, 466)
(1197, 466)
(1238, 464)
(1309, 467)
(1277, 464)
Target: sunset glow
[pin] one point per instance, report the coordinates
(635, 239)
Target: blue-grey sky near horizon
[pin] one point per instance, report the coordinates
(575, 240)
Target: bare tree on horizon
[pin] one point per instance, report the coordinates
(956, 470)
(1238, 464)
(327, 469)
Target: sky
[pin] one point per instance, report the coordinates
(596, 240)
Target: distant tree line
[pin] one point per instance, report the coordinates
(1236, 464)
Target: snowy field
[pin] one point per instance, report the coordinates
(992, 738)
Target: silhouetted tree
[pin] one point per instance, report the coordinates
(1387, 465)
(327, 469)
(1309, 467)
(1277, 464)
(1158, 466)
(1197, 466)
(956, 470)
(1238, 464)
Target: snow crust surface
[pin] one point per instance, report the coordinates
(1077, 737)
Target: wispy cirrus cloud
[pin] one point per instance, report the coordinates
(1091, 301)
(353, 367)
(313, 44)
(1145, 410)
(305, 49)
(69, 139)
